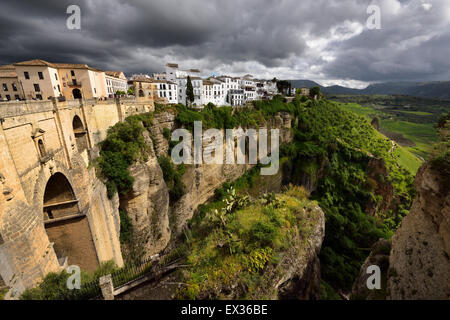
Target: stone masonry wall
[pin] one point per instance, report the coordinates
(26, 254)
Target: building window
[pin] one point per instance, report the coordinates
(74, 82)
(5, 87)
(72, 73)
(41, 147)
(8, 97)
(41, 76)
(59, 88)
(39, 97)
(16, 96)
(14, 87)
(36, 87)
(27, 75)
(56, 76)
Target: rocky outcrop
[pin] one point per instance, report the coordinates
(379, 182)
(379, 256)
(201, 180)
(419, 260)
(301, 266)
(148, 205)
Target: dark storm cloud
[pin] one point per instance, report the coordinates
(315, 39)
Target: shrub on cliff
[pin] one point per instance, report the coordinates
(54, 285)
(124, 144)
(172, 176)
(242, 245)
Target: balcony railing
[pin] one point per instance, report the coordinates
(74, 84)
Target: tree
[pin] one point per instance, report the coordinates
(314, 91)
(189, 92)
(284, 86)
(130, 91)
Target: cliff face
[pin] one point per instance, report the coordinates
(148, 203)
(379, 256)
(419, 260)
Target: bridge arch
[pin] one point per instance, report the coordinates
(67, 228)
(80, 134)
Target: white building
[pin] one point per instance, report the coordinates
(115, 81)
(214, 92)
(159, 76)
(167, 91)
(236, 97)
(222, 90)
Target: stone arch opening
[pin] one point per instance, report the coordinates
(80, 134)
(141, 93)
(76, 93)
(67, 228)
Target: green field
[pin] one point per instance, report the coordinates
(422, 134)
(418, 113)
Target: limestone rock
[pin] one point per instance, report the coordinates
(379, 256)
(419, 261)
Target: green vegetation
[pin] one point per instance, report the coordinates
(314, 91)
(327, 292)
(332, 149)
(54, 285)
(441, 153)
(239, 243)
(3, 292)
(189, 92)
(123, 146)
(172, 176)
(407, 120)
(228, 118)
(407, 159)
(343, 144)
(126, 227)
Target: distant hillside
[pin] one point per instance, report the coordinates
(435, 89)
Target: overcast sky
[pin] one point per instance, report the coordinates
(323, 40)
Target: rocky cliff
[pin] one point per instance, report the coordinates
(419, 261)
(153, 220)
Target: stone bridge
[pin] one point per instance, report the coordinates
(54, 210)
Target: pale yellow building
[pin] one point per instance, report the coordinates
(41, 80)
(146, 89)
(10, 88)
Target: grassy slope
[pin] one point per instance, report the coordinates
(423, 135)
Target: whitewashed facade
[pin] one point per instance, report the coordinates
(221, 91)
(167, 91)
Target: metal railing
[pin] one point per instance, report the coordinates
(132, 272)
(88, 291)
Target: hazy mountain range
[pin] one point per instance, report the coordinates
(434, 89)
